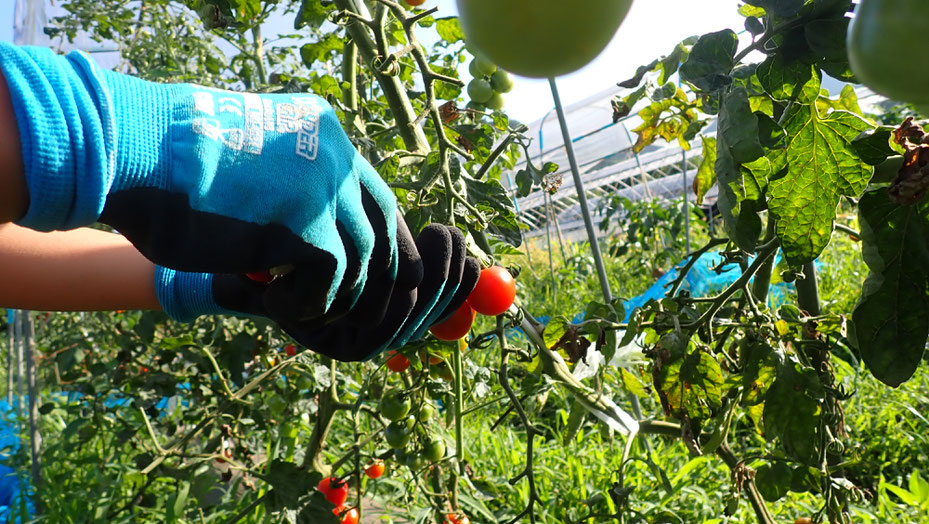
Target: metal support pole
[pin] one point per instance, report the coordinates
(35, 439)
(686, 206)
(548, 237)
(18, 364)
(638, 163)
(581, 196)
(11, 350)
(585, 210)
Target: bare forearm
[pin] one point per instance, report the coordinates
(78, 270)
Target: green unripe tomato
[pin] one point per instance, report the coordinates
(540, 38)
(483, 66)
(434, 450)
(416, 461)
(395, 405)
(883, 48)
(496, 102)
(426, 412)
(480, 91)
(474, 106)
(473, 69)
(501, 81)
(397, 435)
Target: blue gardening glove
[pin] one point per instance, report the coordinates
(198, 179)
(449, 276)
(387, 295)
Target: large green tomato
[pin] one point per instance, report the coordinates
(885, 48)
(541, 38)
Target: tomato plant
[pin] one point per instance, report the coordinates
(457, 325)
(494, 293)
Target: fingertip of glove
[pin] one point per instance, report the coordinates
(434, 243)
(469, 278)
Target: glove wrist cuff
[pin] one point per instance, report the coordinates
(186, 296)
(66, 134)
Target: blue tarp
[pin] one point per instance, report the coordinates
(11, 485)
(701, 281)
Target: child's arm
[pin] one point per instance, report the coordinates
(78, 270)
(14, 197)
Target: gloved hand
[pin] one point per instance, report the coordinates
(449, 277)
(433, 279)
(199, 179)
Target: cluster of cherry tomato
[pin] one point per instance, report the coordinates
(397, 406)
(493, 295)
(336, 492)
(489, 84)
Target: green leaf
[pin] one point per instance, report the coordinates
(739, 191)
(781, 8)
(495, 203)
(918, 486)
(711, 61)
(312, 14)
(891, 319)
(770, 133)
(827, 37)
(822, 167)
(905, 496)
(773, 480)
(761, 364)
(792, 412)
(780, 77)
(555, 329)
(706, 173)
(449, 29)
(873, 145)
(691, 384)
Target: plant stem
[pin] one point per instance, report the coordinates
(328, 405)
(413, 136)
(808, 290)
(762, 282)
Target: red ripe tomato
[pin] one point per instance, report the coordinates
(457, 518)
(350, 517)
(397, 362)
(414, 3)
(494, 292)
(375, 470)
(457, 325)
(335, 490)
(264, 277)
(290, 349)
